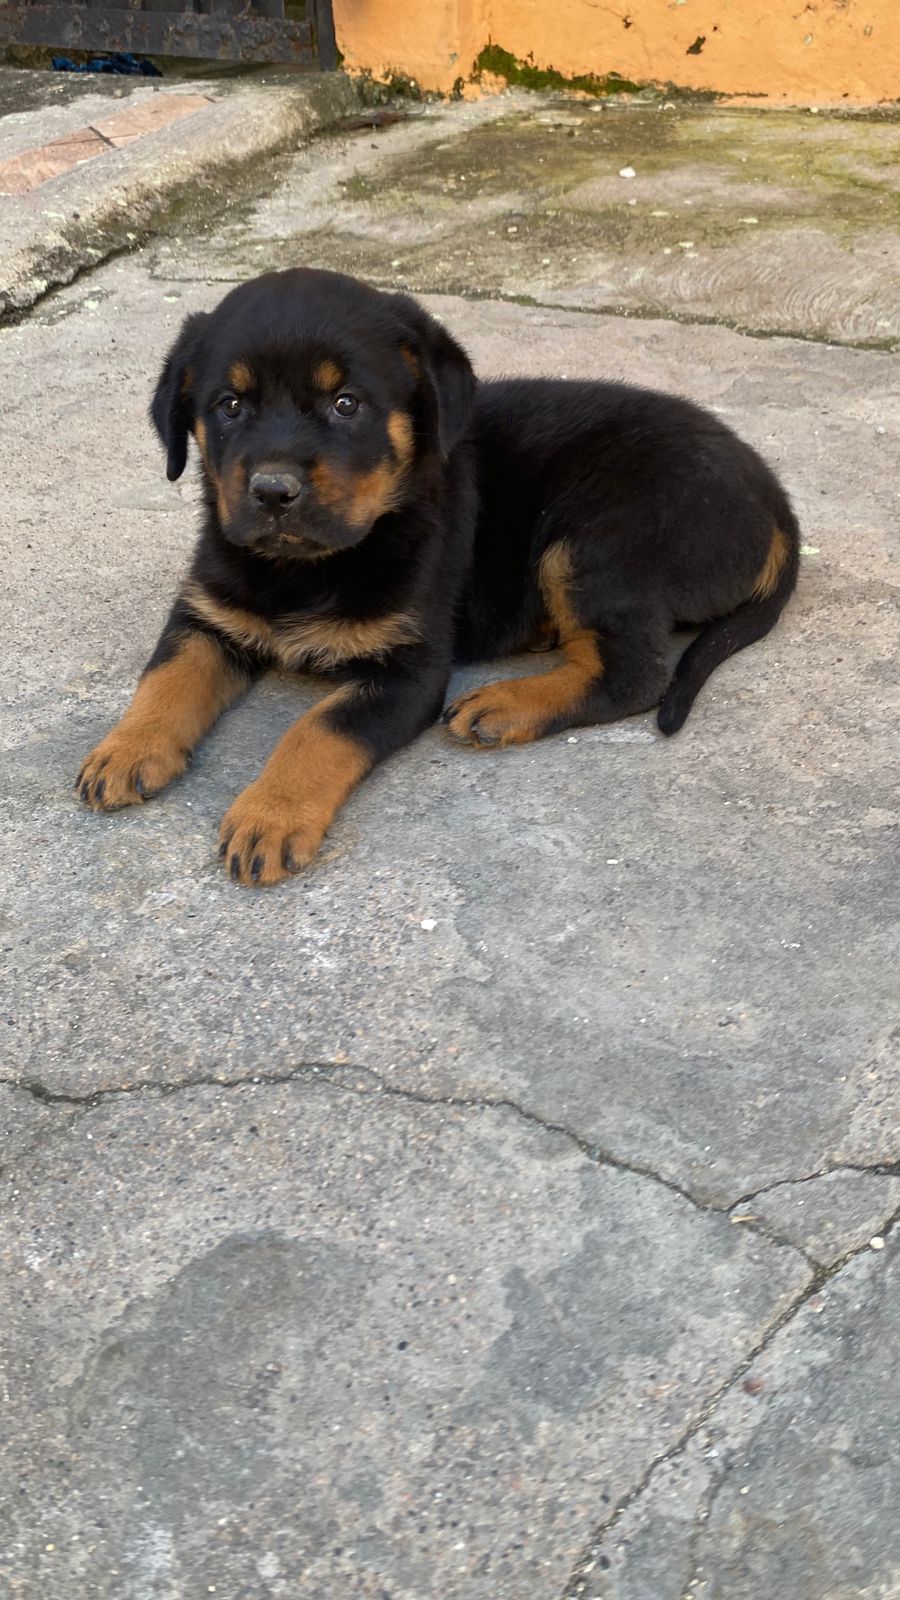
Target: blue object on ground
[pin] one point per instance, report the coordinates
(120, 62)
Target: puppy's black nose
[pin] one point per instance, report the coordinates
(275, 491)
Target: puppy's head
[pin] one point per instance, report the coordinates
(314, 402)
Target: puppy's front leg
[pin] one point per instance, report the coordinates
(190, 678)
(277, 824)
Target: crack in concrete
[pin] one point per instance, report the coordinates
(334, 1074)
(333, 1071)
(577, 1585)
(879, 1169)
(704, 1512)
(719, 1477)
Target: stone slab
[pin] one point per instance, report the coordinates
(251, 1348)
(791, 1490)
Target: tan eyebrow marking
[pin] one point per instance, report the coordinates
(327, 376)
(240, 377)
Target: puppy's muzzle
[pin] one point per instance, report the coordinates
(275, 491)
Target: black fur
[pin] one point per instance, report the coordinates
(437, 502)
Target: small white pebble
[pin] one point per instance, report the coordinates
(396, 262)
(572, 739)
(631, 202)
(749, 220)
(627, 172)
(512, 230)
(545, 261)
(612, 861)
(877, 1243)
(685, 244)
(879, 429)
(428, 924)
(659, 213)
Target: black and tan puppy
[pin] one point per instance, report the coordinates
(374, 515)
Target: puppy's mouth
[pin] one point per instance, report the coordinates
(289, 532)
(277, 544)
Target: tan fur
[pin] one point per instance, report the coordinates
(359, 499)
(173, 707)
(200, 436)
(327, 376)
(373, 494)
(279, 821)
(517, 710)
(412, 360)
(767, 581)
(232, 487)
(240, 377)
(400, 433)
(295, 642)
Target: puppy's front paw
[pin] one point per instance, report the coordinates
(129, 766)
(266, 835)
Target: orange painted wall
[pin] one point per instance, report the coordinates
(433, 41)
(785, 50)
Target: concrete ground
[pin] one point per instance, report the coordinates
(507, 1207)
(122, 154)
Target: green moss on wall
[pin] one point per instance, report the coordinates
(494, 58)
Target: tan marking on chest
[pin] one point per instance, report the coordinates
(295, 642)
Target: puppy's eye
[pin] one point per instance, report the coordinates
(231, 406)
(346, 405)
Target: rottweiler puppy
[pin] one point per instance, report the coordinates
(375, 515)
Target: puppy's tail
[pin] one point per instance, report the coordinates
(747, 623)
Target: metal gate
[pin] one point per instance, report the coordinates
(298, 31)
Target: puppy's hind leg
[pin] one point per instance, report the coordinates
(614, 666)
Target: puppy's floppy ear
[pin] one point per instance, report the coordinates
(446, 379)
(172, 406)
